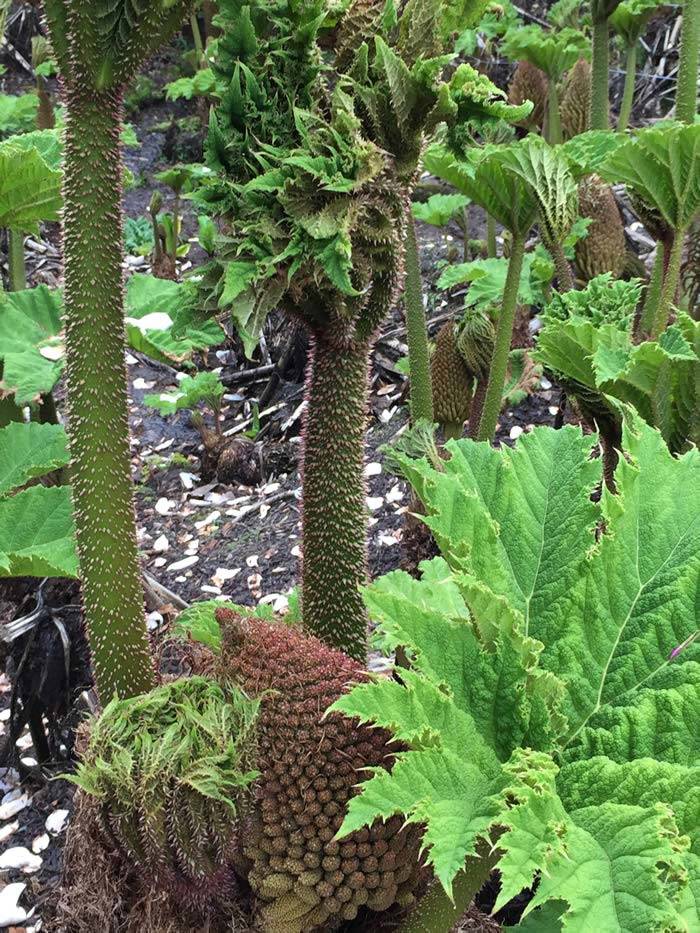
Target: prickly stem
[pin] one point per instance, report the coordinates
(97, 392)
(334, 564)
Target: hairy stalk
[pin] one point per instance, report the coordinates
(97, 391)
(334, 564)
(653, 293)
(437, 912)
(670, 285)
(491, 247)
(197, 38)
(628, 94)
(466, 254)
(15, 261)
(554, 132)
(504, 335)
(687, 87)
(417, 331)
(565, 279)
(477, 408)
(600, 104)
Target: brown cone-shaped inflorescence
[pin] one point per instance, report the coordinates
(453, 383)
(604, 249)
(529, 83)
(576, 100)
(304, 879)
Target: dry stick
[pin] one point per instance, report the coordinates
(244, 376)
(278, 371)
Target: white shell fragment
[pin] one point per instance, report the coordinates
(164, 506)
(184, 563)
(515, 432)
(8, 829)
(10, 911)
(12, 803)
(40, 843)
(161, 544)
(20, 857)
(56, 821)
(374, 503)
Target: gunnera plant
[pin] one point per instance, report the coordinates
(453, 383)
(171, 771)
(320, 234)
(99, 45)
(629, 21)
(603, 249)
(576, 100)
(309, 768)
(554, 52)
(601, 10)
(529, 83)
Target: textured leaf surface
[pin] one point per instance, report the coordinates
(662, 166)
(37, 537)
(30, 345)
(579, 643)
(30, 450)
(157, 302)
(661, 379)
(30, 191)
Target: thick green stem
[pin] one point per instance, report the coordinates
(554, 134)
(98, 426)
(600, 104)
(628, 94)
(15, 261)
(197, 37)
(670, 286)
(565, 279)
(334, 528)
(491, 247)
(504, 335)
(417, 330)
(436, 912)
(653, 293)
(687, 88)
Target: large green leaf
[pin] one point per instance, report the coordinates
(30, 190)
(37, 537)
(553, 51)
(546, 171)
(152, 306)
(630, 18)
(30, 450)
(661, 379)
(31, 348)
(520, 519)
(500, 190)
(17, 113)
(580, 645)
(662, 167)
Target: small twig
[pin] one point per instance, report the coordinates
(246, 376)
(271, 500)
(159, 594)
